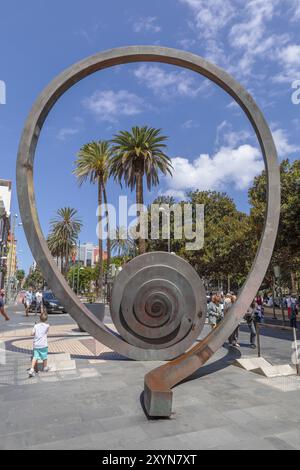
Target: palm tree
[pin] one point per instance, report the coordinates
(122, 245)
(93, 164)
(65, 228)
(55, 246)
(137, 154)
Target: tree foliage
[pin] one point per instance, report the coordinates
(93, 164)
(287, 248)
(65, 228)
(228, 241)
(138, 154)
(35, 280)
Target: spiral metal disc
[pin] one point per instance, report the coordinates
(158, 300)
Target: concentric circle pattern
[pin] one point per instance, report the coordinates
(158, 300)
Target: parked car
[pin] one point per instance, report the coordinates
(50, 303)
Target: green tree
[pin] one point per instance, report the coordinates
(287, 248)
(227, 253)
(20, 275)
(82, 277)
(35, 280)
(56, 247)
(139, 153)
(93, 164)
(65, 228)
(123, 245)
(161, 244)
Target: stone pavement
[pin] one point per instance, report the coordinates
(98, 405)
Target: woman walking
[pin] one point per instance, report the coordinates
(214, 310)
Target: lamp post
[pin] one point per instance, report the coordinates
(167, 212)
(9, 273)
(277, 276)
(10, 279)
(78, 268)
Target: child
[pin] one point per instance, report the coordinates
(40, 344)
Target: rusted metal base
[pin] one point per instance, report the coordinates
(158, 403)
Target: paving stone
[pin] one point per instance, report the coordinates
(49, 378)
(279, 444)
(219, 407)
(291, 437)
(251, 363)
(88, 372)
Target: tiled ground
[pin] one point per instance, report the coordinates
(98, 405)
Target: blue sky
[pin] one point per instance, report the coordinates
(210, 140)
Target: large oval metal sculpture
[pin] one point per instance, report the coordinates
(158, 302)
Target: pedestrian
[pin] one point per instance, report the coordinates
(2, 305)
(38, 302)
(28, 300)
(258, 313)
(233, 338)
(294, 313)
(214, 311)
(227, 303)
(251, 320)
(40, 344)
(259, 299)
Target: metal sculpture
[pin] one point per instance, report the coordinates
(154, 320)
(159, 304)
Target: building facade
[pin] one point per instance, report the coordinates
(5, 205)
(11, 255)
(88, 255)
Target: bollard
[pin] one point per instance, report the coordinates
(296, 351)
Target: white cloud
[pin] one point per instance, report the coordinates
(234, 138)
(237, 33)
(248, 34)
(295, 10)
(90, 33)
(190, 124)
(108, 105)
(67, 132)
(174, 193)
(186, 43)
(146, 24)
(227, 167)
(233, 105)
(283, 146)
(289, 57)
(211, 17)
(169, 84)
(253, 38)
(227, 137)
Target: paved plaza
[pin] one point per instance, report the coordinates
(97, 403)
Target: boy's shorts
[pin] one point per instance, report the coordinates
(40, 353)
